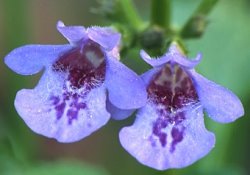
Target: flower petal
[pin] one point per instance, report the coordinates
(154, 61)
(173, 54)
(147, 76)
(184, 143)
(182, 60)
(220, 103)
(72, 33)
(105, 36)
(126, 90)
(30, 59)
(52, 111)
(117, 113)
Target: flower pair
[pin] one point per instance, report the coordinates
(84, 84)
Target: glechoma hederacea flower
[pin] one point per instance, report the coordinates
(69, 102)
(169, 130)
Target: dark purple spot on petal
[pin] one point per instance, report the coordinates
(55, 100)
(60, 110)
(168, 71)
(157, 130)
(73, 108)
(175, 90)
(72, 114)
(179, 117)
(179, 74)
(177, 136)
(85, 65)
(172, 91)
(84, 69)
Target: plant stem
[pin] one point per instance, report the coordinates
(196, 24)
(130, 13)
(160, 13)
(205, 7)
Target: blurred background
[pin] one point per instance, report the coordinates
(226, 60)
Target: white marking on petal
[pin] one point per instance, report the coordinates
(94, 58)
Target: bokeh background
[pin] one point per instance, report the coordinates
(226, 50)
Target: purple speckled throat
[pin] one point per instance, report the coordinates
(173, 92)
(84, 68)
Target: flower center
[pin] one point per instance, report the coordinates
(83, 69)
(85, 65)
(173, 92)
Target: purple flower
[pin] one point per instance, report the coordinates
(69, 102)
(169, 130)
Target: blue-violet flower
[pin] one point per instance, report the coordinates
(69, 102)
(169, 130)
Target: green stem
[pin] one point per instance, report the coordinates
(205, 7)
(196, 24)
(160, 13)
(130, 14)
